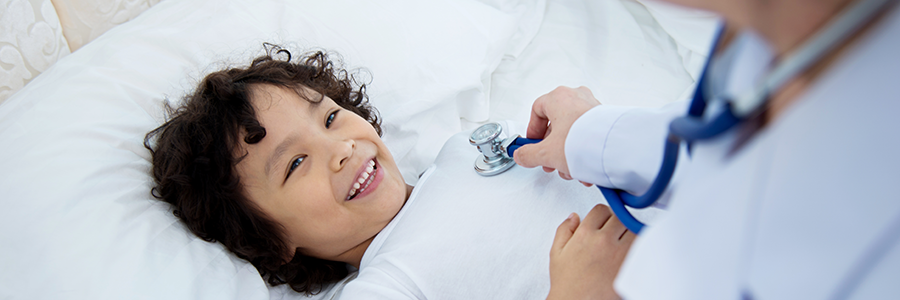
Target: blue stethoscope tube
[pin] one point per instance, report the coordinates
(688, 128)
(519, 142)
(693, 127)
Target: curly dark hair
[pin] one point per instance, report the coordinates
(194, 161)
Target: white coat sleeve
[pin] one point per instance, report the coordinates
(620, 147)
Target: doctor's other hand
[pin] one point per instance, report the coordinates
(551, 117)
(586, 255)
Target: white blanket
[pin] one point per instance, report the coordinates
(642, 53)
(465, 236)
(78, 219)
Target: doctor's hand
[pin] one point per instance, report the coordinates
(586, 255)
(551, 117)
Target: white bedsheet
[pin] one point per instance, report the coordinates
(491, 241)
(627, 52)
(78, 221)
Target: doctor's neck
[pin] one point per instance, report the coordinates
(785, 25)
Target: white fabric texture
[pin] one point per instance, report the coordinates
(691, 30)
(79, 221)
(464, 236)
(628, 53)
(85, 20)
(799, 206)
(31, 40)
(78, 215)
(530, 14)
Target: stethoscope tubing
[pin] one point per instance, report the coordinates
(688, 128)
(519, 142)
(693, 127)
(617, 199)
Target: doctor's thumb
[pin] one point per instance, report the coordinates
(530, 156)
(548, 154)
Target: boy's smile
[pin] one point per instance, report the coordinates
(321, 172)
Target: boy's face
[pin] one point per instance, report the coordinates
(322, 173)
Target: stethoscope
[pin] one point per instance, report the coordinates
(497, 152)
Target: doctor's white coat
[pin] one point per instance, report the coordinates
(807, 208)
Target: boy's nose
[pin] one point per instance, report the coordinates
(341, 150)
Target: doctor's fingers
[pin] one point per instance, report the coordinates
(543, 111)
(548, 153)
(562, 174)
(539, 122)
(561, 107)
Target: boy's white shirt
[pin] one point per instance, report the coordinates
(464, 236)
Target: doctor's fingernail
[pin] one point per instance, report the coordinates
(571, 217)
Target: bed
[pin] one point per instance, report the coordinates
(79, 221)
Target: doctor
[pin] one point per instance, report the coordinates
(800, 200)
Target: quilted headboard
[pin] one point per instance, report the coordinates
(34, 34)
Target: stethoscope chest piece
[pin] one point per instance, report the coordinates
(494, 159)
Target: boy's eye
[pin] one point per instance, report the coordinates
(294, 164)
(330, 118)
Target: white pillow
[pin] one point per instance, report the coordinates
(78, 220)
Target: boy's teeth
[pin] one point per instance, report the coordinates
(365, 175)
(362, 180)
